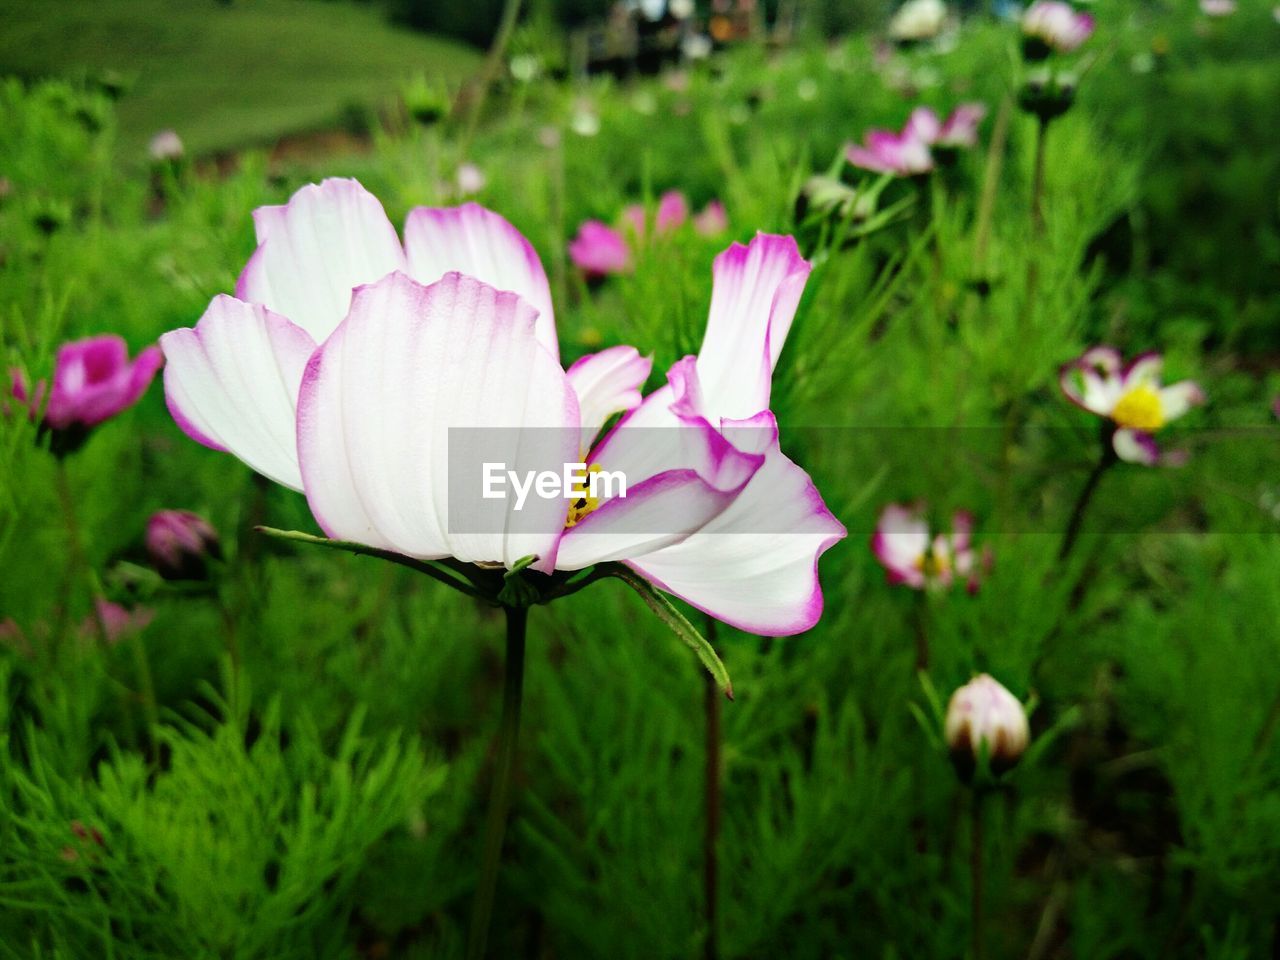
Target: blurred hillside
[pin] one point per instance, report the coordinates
(224, 75)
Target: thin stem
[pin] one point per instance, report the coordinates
(146, 686)
(976, 874)
(1082, 502)
(78, 568)
(489, 71)
(1037, 182)
(991, 184)
(712, 703)
(495, 827)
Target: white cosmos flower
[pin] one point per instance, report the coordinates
(1131, 396)
(348, 364)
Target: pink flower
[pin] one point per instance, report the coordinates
(1053, 26)
(903, 154)
(116, 622)
(911, 556)
(599, 250)
(712, 221)
(180, 544)
(961, 127)
(1131, 396)
(351, 364)
(93, 380)
(673, 211)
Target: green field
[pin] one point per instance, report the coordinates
(224, 76)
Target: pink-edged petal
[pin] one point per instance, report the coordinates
(1093, 381)
(754, 296)
(657, 513)
(900, 543)
(403, 405)
(480, 243)
(1178, 398)
(923, 125)
(328, 239)
(755, 566)
(231, 383)
(606, 383)
(867, 159)
(669, 431)
(1135, 446)
(1145, 368)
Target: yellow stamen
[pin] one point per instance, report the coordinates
(585, 503)
(1139, 409)
(933, 565)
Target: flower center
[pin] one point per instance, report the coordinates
(1139, 409)
(933, 565)
(584, 502)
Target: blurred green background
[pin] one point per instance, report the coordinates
(320, 792)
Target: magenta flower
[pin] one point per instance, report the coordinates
(349, 364)
(673, 211)
(912, 556)
(960, 130)
(1131, 396)
(181, 544)
(910, 152)
(904, 154)
(93, 380)
(1054, 26)
(113, 622)
(599, 250)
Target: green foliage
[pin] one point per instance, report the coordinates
(325, 722)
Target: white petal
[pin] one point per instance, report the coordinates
(755, 566)
(659, 512)
(1134, 446)
(753, 301)
(232, 384)
(606, 383)
(327, 240)
(481, 244)
(401, 407)
(900, 543)
(1177, 399)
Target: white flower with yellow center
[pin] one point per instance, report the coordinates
(1131, 396)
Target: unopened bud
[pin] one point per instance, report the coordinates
(180, 544)
(985, 719)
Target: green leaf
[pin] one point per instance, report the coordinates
(455, 576)
(679, 625)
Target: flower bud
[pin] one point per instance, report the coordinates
(983, 718)
(180, 544)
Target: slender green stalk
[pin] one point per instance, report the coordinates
(712, 702)
(500, 792)
(1037, 182)
(977, 875)
(489, 71)
(990, 185)
(78, 568)
(1082, 503)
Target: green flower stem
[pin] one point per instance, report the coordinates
(976, 873)
(500, 791)
(712, 700)
(1105, 462)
